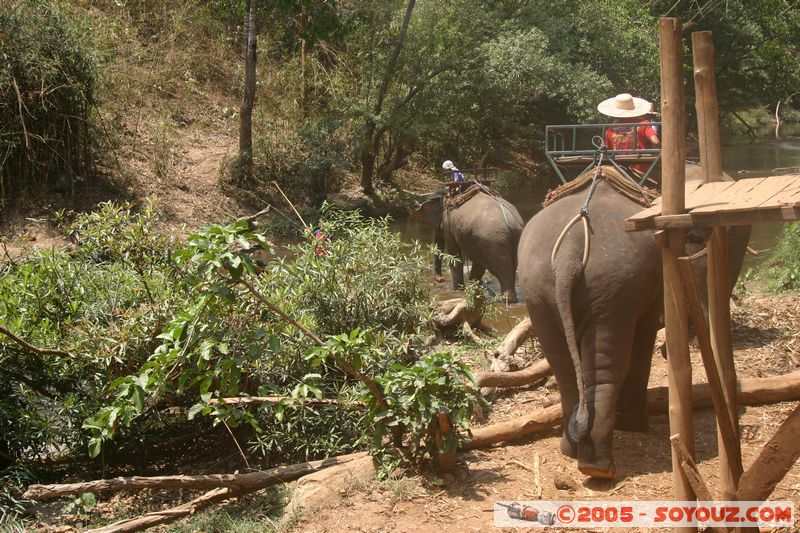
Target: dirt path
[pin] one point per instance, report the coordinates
(188, 191)
(766, 343)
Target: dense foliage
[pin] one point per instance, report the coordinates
(128, 332)
(48, 75)
(471, 81)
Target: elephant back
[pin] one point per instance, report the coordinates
(454, 201)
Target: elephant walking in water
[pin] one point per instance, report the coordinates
(597, 323)
(480, 226)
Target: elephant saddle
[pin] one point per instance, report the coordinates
(459, 199)
(622, 184)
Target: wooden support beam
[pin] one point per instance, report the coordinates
(705, 87)
(718, 269)
(727, 436)
(673, 153)
(719, 318)
(699, 486)
(775, 459)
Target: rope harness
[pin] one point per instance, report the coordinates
(618, 180)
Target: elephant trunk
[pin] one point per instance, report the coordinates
(566, 273)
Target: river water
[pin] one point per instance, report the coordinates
(742, 157)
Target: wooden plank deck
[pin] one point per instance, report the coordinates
(728, 203)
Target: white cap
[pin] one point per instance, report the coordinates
(448, 165)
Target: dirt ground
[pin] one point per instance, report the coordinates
(767, 343)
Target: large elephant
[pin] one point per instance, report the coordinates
(597, 324)
(478, 225)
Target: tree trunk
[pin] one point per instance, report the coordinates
(367, 155)
(303, 65)
(246, 111)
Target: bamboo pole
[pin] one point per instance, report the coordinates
(675, 315)
(705, 86)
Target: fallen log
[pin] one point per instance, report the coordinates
(775, 459)
(166, 516)
(515, 338)
(455, 312)
(754, 391)
(239, 482)
(538, 370)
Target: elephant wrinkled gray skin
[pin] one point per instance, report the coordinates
(485, 229)
(599, 322)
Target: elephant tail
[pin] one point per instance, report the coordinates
(565, 276)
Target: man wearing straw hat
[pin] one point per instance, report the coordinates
(625, 108)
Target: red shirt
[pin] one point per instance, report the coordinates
(622, 138)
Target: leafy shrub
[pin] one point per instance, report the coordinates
(782, 268)
(47, 83)
(101, 306)
(244, 330)
(416, 395)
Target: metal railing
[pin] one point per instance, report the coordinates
(574, 144)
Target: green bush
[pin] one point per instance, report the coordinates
(47, 83)
(101, 305)
(782, 269)
(244, 330)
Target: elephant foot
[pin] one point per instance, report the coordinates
(597, 473)
(438, 278)
(626, 422)
(589, 464)
(568, 448)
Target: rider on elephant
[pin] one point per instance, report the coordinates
(625, 108)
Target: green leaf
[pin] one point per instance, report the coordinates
(95, 446)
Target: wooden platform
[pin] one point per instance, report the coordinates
(728, 203)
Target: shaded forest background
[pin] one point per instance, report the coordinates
(348, 91)
(123, 336)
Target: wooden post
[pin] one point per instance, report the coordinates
(705, 86)
(673, 151)
(719, 321)
(718, 269)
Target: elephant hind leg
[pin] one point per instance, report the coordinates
(632, 403)
(557, 354)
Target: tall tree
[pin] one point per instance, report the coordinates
(246, 112)
(368, 148)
